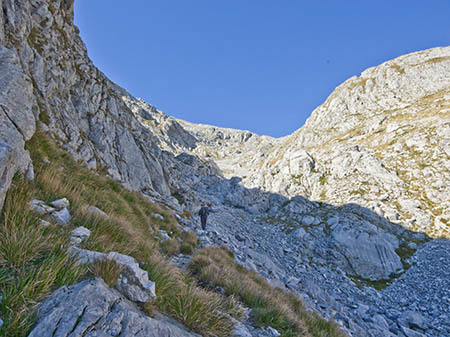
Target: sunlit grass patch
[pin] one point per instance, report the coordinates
(271, 306)
(130, 221)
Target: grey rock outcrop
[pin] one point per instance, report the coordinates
(91, 308)
(17, 122)
(62, 216)
(370, 255)
(40, 207)
(133, 281)
(60, 203)
(240, 330)
(58, 213)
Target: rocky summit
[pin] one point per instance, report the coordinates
(351, 212)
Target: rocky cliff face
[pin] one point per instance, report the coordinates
(375, 157)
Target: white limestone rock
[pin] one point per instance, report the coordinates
(17, 122)
(368, 254)
(157, 216)
(163, 234)
(85, 256)
(240, 330)
(133, 282)
(79, 234)
(273, 331)
(91, 308)
(40, 207)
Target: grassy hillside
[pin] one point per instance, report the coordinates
(34, 262)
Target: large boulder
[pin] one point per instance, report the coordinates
(368, 253)
(133, 281)
(91, 308)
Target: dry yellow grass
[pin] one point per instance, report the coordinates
(107, 269)
(271, 306)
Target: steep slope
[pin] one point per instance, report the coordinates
(374, 156)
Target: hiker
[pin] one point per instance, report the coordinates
(203, 213)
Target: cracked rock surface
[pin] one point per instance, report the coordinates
(92, 309)
(133, 281)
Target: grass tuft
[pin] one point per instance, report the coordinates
(170, 247)
(108, 270)
(179, 296)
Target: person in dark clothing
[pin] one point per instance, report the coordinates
(203, 213)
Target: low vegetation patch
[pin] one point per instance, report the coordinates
(179, 296)
(109, 270)
(189, 242)
(170, 247)
(282, 310)
(33, 262)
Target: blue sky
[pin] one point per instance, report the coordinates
(259, 65)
